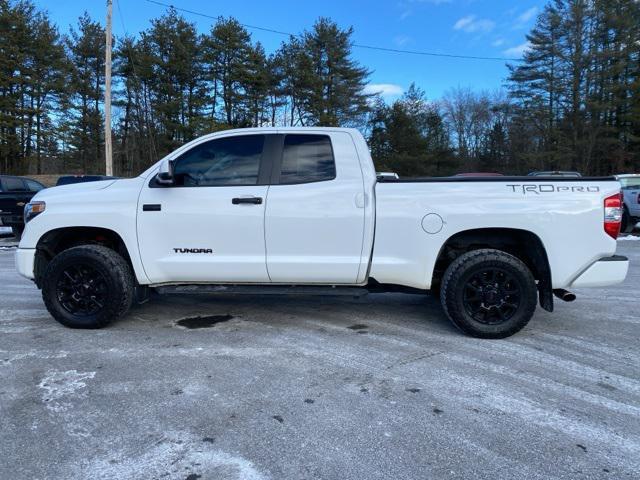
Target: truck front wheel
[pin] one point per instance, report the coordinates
(488, 293)
(87, 286)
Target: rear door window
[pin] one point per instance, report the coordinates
(307, 158)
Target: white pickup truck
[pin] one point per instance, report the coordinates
(301, 210)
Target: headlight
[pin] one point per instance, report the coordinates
(32, 209)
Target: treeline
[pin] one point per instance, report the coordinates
(171, 85)
(573, 103)
(577, 93)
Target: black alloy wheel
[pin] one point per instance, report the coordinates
(489, 293)
(82, 290)
(88, 286)
(492, 296)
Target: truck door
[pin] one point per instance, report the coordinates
(315, 212)
(209, 226)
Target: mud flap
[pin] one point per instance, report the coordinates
(545, 295)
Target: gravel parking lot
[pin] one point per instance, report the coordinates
(308, 387)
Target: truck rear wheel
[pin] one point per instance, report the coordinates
(87, 286)
(488, 293)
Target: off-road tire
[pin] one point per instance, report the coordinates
(463, 268)
(115, 273)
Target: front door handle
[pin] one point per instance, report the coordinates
(252, 200)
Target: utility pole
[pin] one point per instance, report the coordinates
(107, 96)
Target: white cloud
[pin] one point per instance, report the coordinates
(384, 89)
(401, 40)
(498, 42)
(527, 15)
(407, 6)
(472, 24)
(518, 50)
(406, 14)
(523, 19)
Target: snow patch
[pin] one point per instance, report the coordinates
(60, 387)
(32, 354)
(628, 238)
(172, 458)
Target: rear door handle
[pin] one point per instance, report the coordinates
(253, 200)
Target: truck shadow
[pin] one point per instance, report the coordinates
(422, 312)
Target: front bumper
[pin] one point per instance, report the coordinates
(603, 273)
(11, 220)
(25, 260)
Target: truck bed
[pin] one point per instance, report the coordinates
(415, 217)
(522, 178)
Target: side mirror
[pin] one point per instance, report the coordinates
(165, 173)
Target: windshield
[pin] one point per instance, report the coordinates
(631, 182)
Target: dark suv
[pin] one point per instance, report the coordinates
(15, 193)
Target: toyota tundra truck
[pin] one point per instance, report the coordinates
(301, 210)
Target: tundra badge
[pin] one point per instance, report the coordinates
(193, 250)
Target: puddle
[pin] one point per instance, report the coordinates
(207, 321)
(358, 326)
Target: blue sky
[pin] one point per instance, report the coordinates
(466, 27)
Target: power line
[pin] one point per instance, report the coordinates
(356, 45)
(432, 54)
(200, 14)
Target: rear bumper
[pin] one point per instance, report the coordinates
(603, 273)
(25, 259)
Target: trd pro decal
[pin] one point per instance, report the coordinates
(548, 188)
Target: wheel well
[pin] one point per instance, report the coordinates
(522, 244)
(58, 240)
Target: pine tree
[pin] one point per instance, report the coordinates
(577, 87)
(135, 147)
(172, 55)
(48, 82)
(409, 137)
(256, 83)
(32, 64)
(535, 84)
(333, 90)
(84, 96)
(228, 54)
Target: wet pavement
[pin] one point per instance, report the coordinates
(265, 387)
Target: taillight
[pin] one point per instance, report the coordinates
(613, 215)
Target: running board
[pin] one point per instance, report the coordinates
(263, 290)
